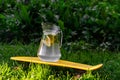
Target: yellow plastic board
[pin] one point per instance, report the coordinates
(62, 63)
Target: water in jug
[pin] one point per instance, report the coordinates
(50, 44)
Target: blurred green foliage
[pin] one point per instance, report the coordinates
(95, 22)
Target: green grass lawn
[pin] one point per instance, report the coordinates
(13, 70)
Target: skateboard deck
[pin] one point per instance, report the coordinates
(62, 63)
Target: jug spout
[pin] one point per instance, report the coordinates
(49, 49)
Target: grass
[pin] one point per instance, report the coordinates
(13, 70)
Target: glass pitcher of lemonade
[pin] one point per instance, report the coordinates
(51, 42)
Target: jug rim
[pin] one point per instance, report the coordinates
(51, 28)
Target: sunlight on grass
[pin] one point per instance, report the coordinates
(13, 70)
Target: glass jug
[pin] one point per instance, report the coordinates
(51, 42)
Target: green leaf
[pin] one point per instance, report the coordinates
(2, 16)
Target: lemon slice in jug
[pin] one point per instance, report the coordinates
(49, 40)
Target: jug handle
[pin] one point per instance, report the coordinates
(61, 38)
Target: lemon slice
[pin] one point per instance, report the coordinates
(49, 40)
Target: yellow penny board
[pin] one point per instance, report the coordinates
(62, 63)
